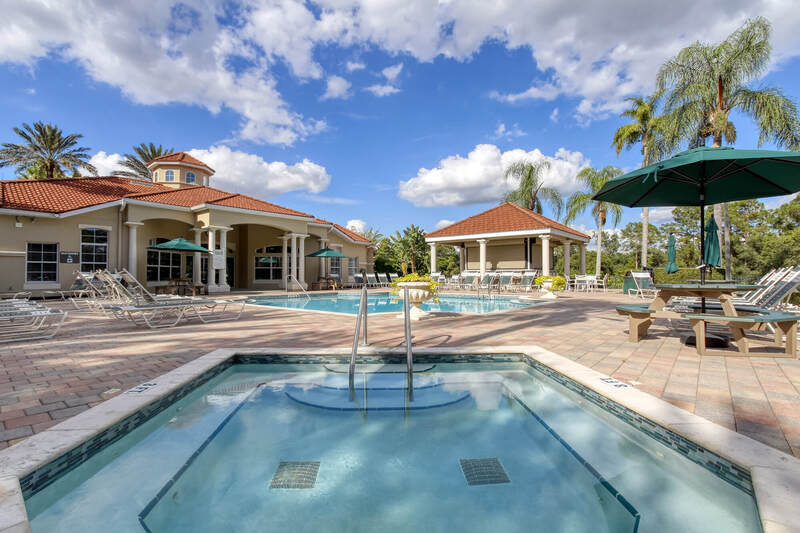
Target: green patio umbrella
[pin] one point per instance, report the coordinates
(711, 252)
(326, 252)
(671, 265)
(180, 245)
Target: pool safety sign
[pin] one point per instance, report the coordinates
(69, 257)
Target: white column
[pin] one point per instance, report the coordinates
(545, 255)
(132, 246)
(527, 253)
(482, 243)
(285, 262)
(583, 258)
(212, 243)
(566, 258)
(294, 260)
(301, 259)
(197, 262)
(323, 262)
(433, 258)
(223, 272)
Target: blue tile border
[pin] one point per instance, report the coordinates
(723, 468)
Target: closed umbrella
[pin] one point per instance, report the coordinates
(671, 265)
(711, 252)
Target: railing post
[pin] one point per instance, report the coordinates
(365, 303)
(409, 353)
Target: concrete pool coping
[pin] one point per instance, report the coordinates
(775, 476)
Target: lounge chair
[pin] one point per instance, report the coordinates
(504, 280)
(525, 282)
(644, 285)
(169, 314)
(487, 282)
(386, 281)
(25, 321)
(372, 280)
(78, 289)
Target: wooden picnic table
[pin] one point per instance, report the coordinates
(724, 292)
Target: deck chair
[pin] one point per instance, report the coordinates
(504, 280)
(644, 285)
(372, 280)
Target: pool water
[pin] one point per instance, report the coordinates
(386, 303)
(479, 447)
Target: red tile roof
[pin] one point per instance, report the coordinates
(179, 157)
(505, 217)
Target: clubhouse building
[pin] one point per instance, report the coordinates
(50, 228)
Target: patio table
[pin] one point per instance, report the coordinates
(724, 292)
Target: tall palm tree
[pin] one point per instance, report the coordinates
(593, 180)
(705, 82)
(649, 130)
(46, 152)
(136, 163)
(531, 190)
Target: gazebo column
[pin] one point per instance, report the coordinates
(223, 272)
(323, 262)
(301, 266)
(197, 262)
(482, 243)
(285, 259)
(212, 243)
(433, 258)
(583, 259)
(293, 272)
(132, 246)
(566, 257)
(545, 255)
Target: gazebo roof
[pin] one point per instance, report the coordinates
(507, 218)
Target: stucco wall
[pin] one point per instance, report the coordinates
(159, 174)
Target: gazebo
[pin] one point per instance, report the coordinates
(508, 237)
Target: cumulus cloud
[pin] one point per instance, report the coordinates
(105, 163)
(352, 66)
(554, 115)
(251, 174)
(357, 225)
(444, 223)
(478, 178)
(508, 132)
(391, 73)
(382, 90)
(337, 87)
(660, 215)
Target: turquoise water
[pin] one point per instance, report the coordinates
(388, 464)
(386, 303)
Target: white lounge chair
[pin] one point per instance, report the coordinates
(644, 285)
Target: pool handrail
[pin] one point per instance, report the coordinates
(362, 312)
(409, 350)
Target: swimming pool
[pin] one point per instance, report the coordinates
(384, 302)
(492, 444)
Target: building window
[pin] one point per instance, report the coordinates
(169, 175)
(190, 177)
(41, 262)
(269, 264)
(336, 267)
(352, 266)
(163, 266)
(94, 249)
(188, 272)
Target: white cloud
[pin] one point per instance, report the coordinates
(554, 115)
(337, 87)
(357, 225)
(250, 174)
(503, 132)
(30, 91)
(478, 178)
(352, 66)
(659, 215)
(328, 199)
(391, 73)
(105, 163)
(382, 90)
(444, 223)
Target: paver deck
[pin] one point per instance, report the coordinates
(42, 383)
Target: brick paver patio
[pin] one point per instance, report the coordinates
(42, 383)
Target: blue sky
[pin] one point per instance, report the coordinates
(387, 112)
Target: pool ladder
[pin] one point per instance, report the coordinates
(362, 315)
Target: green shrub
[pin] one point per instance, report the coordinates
(559, 283)
(432, 285)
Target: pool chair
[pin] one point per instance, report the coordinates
(602, 283)
(372, 280)
(27, 321)
(486, 283)
(170, 313)
(504, 280)
(78, 289)
(392, 276)
(467, 281)
(644, 285)
(526, 282)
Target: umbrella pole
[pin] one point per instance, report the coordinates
(702, 250)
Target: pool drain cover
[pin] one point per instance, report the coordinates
(484, 471)
(295, 475)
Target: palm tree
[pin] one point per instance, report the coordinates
(648, 129)
(706, 82)
(136, 163)
(373, 235)
(531, 190)
(408, 247)
(46, 153)
(593, 180)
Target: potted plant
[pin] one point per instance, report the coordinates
(420, 290)
(549, 284)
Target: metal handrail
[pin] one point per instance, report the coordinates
(292, 277)
(409, 350)
(362, 313)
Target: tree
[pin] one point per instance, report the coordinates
(373, 235)
(136, 163)
(46, 153)
(646, 129)
(531, 190)
(409, 248)
(593, 180)
(705, 82)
